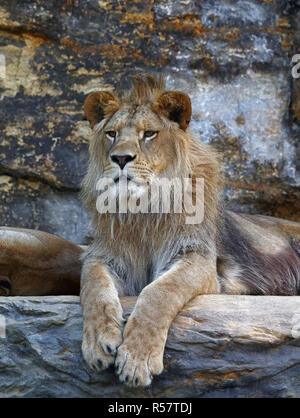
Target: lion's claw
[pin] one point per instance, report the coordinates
(136, 367)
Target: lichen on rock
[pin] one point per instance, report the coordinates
(233, 58)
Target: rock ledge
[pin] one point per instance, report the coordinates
(218, 346)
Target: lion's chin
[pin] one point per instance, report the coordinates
(128, 187)
(128, 181)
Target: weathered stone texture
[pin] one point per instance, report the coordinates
(232, 57)
(218, 346)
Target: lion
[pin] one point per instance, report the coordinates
(138, 139)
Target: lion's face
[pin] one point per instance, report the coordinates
(136, 145)
(141, 137)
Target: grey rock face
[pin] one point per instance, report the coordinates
(218, 346)
(233, 57)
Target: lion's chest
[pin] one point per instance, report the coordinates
(135, 270)
(140, 251)
(138, 265)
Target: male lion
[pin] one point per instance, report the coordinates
(165, 261)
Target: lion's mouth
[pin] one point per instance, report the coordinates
(122, 178)
(126, 179)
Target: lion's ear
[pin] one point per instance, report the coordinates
(98, 105)
(175, 106)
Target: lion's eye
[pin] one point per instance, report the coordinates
(111, 134)
(150, 134)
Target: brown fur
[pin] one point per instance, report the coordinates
(175, 106)
(259, 260)
(37, 263)
(94, 109)
(158, 257)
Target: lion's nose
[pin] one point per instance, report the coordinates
(122, 160)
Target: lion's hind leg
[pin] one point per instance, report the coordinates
(35, 263)
(256, 258)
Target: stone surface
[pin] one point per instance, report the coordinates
(218, 346)
(232, 57)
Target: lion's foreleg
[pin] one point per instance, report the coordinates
(102, 314)
(141, 354)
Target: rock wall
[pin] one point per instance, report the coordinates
(232, 57)
(218, 346)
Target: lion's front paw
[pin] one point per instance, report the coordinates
(101, 338)
(138, 360)
(93, 352)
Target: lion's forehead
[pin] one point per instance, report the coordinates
(139, 116)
